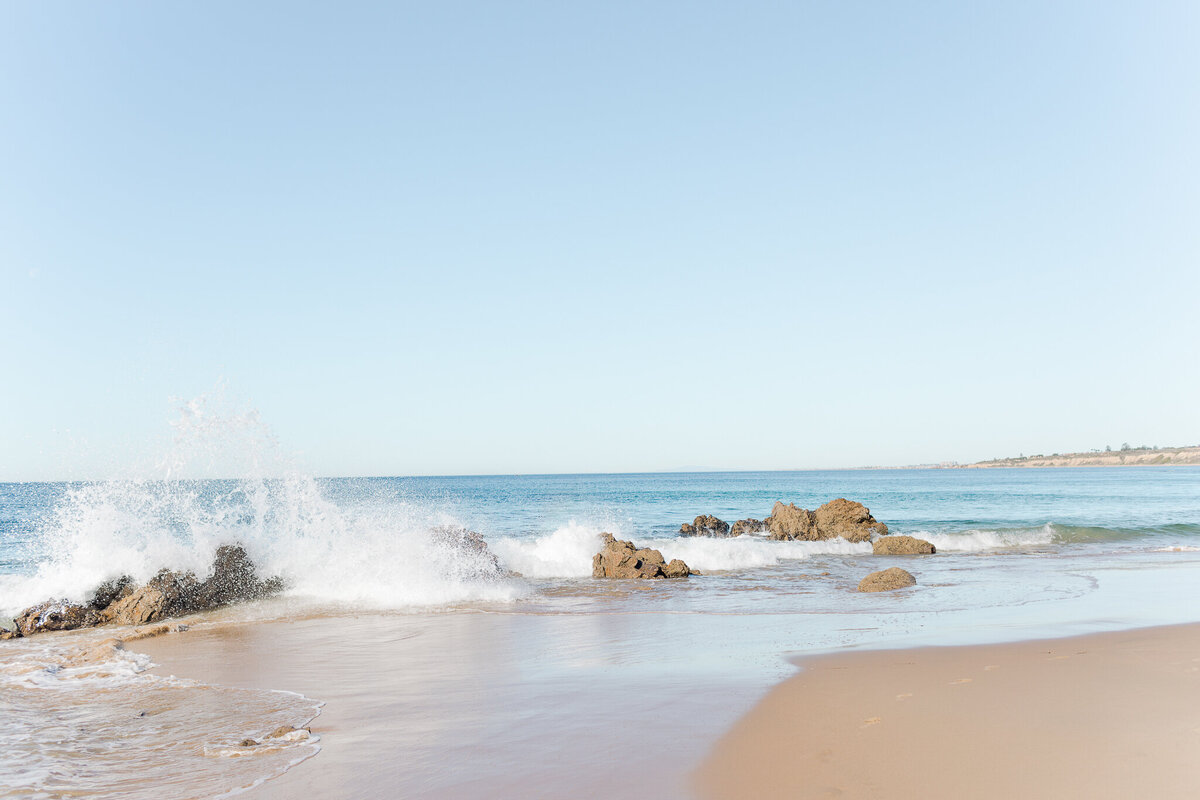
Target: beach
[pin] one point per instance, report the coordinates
(1114, 715)
(426, 662)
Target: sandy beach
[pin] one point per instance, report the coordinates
(1113, 715)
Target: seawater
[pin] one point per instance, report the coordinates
(1020, 553)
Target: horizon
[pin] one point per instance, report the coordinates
(555, 240)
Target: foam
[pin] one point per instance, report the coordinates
(975, 541)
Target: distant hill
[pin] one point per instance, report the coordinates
(1125, 457)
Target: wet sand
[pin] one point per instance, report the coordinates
(1114, 715)
(482, 705)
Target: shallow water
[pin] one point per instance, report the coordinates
(1022, 553)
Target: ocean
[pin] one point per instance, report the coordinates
(1022, 553)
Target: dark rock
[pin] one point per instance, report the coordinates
(109, 592)
(166, 594)
(705, 525)
(465, 540)
(234, 579)
(248, 743)
(620, 559)
(743, 526)
(887, 580)
(902, 546)
(55, 615)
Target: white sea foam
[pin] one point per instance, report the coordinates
(975, 541)
(568, 551)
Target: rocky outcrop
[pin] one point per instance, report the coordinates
(887, 580)
(465, 540)
(743, 526)
(850, 520)
(789, 522)
(841, 517)
(621, 559)
(121, 602)
(705, 525)
(903, 546)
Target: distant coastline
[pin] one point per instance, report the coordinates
(1126, 456)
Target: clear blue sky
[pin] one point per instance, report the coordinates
(526, 237)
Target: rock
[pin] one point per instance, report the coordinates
(705, 525)
(6, 634)
(676, 569)
(147, 633)
(468, 541)
(887, 580)
(789, 522)
(743, 526)
(841, 517)
(109, 592)
(248, 743)
(234, 579)
(288, 731)
(167, 594)
(55, 615)
(848, 519)
(903, 546)
(620, 559)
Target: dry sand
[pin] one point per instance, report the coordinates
(1113, 715)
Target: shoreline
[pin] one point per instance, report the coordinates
(1100, 715)
(481, 727)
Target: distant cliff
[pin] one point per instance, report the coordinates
(1125, 457)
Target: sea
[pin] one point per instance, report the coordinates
(1021, 553)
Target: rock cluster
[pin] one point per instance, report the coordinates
(122, 602)
(841, 517)
(705, 525)
(902, 546)
(621, 559)
(887, 580)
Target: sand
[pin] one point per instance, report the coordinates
(1114, 715)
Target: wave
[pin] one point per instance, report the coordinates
(376, 554)
(568, 551)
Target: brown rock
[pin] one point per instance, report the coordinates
(168, 593)
(234, 579)
(848, 519)
(284, 730)
(887, 580)
(109, 592)
(6, 634)
(676, 569)
(147, 633)
(55, 615)
(248, 743)
(748, 526)
(903, 546)
(620, 559)
(789, 522)
(705, 525)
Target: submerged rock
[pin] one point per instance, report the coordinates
(887, 580)
(903, 546)
(743, 526)
(705, 525)
(621, 559)
(841, 517)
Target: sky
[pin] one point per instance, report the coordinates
(463, 238)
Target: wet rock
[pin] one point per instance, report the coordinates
(147, 633)
(166, 594)
(903, 546)
(109, 592)
(887, 580)
(744, 526)
(6, 634)
(288, 731)
(705, 525)
(55, 615)
(465, 540)
(789, 522)
(234, 579)
(850, 520)
(248, 743)
(621, 559)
